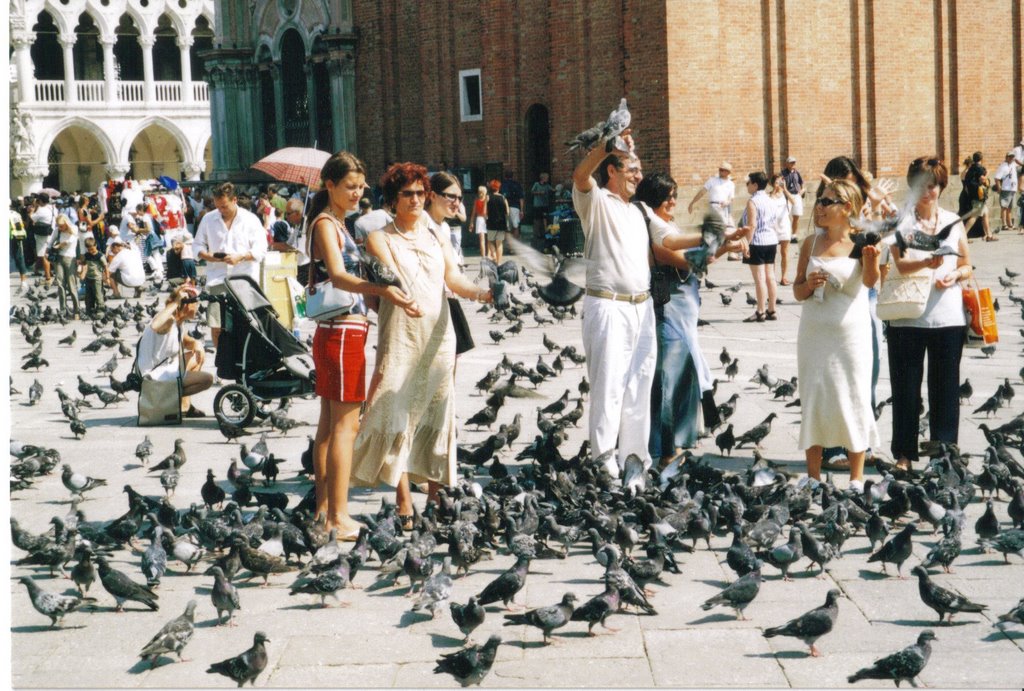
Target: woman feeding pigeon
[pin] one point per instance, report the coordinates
(938, 333)
(409, 427)
(682, 375)
(163, 343)
(339, 344)
(834, 338)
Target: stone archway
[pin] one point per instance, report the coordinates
(155, 151)
(77, 160)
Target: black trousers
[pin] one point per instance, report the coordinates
(907, 349)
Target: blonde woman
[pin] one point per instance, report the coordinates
(834, 358)
(64, 244)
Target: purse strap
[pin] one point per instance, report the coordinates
(650, 242)
(338, 224)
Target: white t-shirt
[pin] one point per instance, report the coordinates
(367, 223)
(945, 306)
(1018, 154)
(129, 262)
(131, 196)
(245, 236)
(720, 191)
(616, 243)
(1006, 173)
(70, 241)
(158, 354)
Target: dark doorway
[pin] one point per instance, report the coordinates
(538, 144)
(87, 51)
(202, 39)
(166, 54)
(47, 54)
(127, 51)
(296, 102)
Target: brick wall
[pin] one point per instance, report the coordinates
(751, 81)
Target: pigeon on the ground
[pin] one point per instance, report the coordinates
(78, 484)
(943, 601)
(154, 559)
(1014, 616)
(901, 666)
(811, 626)
(52, 605)
(247, 666)
(468, 616)
(1008, 542)
(547, 619)
(897, 550)
(173, 637)
(737, 594)
(505, 586)
(756, 434)
(224, 596)
(436, 590)
(598, 608)
(470, 665)
(124, 588)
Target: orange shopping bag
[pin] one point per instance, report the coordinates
(981, 316)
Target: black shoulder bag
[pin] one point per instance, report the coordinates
(663, 278)
(463, 334)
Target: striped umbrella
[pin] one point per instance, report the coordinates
(294, 164)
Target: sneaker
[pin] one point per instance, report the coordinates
(857, 486)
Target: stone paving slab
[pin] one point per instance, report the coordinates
(376, 642)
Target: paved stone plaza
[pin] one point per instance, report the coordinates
(377, 642)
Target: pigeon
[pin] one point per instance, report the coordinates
(172, 638)
(336, 577)
(470, 665)
(784, 556)
(547, 619)
(77, 483)
(505, 586)
(725, 441)
(211, 492)
(84, 572)
(811, 626)
(436, 590)
(897, 550)
(738, 594)
(585, 140)
(756, 434)
(617, 122)
(598, 608)
(943, 601)
(468, 616)
(51, 605)
(224, 596)
(1014, 616)
(740, 557)
(901, 666)
(35, 392)
(247, 666)
(257, 562)
(966, 391)
(124, 588)
(154, 559)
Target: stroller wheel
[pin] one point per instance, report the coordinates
(235, 404)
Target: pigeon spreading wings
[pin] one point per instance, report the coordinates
(617, 122)
(567, 275)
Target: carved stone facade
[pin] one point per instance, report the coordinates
(104, 88)
(282, 73)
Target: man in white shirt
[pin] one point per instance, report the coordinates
(124, 267)
(233, 242)
(720, 190)
(618, 314)
(1007, 179)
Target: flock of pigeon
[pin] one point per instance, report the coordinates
(519, 498)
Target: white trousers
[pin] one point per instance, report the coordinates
(621, 347)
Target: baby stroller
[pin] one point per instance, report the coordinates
(257, 352)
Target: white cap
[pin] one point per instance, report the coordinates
(791, 159)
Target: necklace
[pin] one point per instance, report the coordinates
(410, 234)
(929, 223)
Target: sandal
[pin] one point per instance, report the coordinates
(755, 317)
(836, 463)
(785, 282)
(903, 464)
(992, 239)
(406, 521)
(193, 412)
(770, 315)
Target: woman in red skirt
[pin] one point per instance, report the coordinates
(339, 343)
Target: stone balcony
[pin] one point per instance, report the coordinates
(50, 91)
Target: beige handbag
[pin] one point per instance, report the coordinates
(904, 296)
(160, 399)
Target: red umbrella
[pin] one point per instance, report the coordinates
(294, 164)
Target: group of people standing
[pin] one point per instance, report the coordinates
(649, 379)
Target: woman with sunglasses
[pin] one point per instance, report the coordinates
(834, 338)
(445, 203)
(408, 431)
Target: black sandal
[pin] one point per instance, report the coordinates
(193, 412)
(770, 315)
(755, 317)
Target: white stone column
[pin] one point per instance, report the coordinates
(184, 44)
(193, 169)
(29, 179)
(149, 89)
(275, 71)
(109, 68)
(117, 171)
(23, 60)
(70, 92)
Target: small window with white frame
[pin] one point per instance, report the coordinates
(470, 95)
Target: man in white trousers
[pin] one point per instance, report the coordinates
(618, 313)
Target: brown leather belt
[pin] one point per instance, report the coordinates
(620, 297)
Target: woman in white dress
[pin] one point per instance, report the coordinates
(834, 340)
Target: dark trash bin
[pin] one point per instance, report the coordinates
(570, 236)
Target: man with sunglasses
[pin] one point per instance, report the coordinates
(618, 315)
